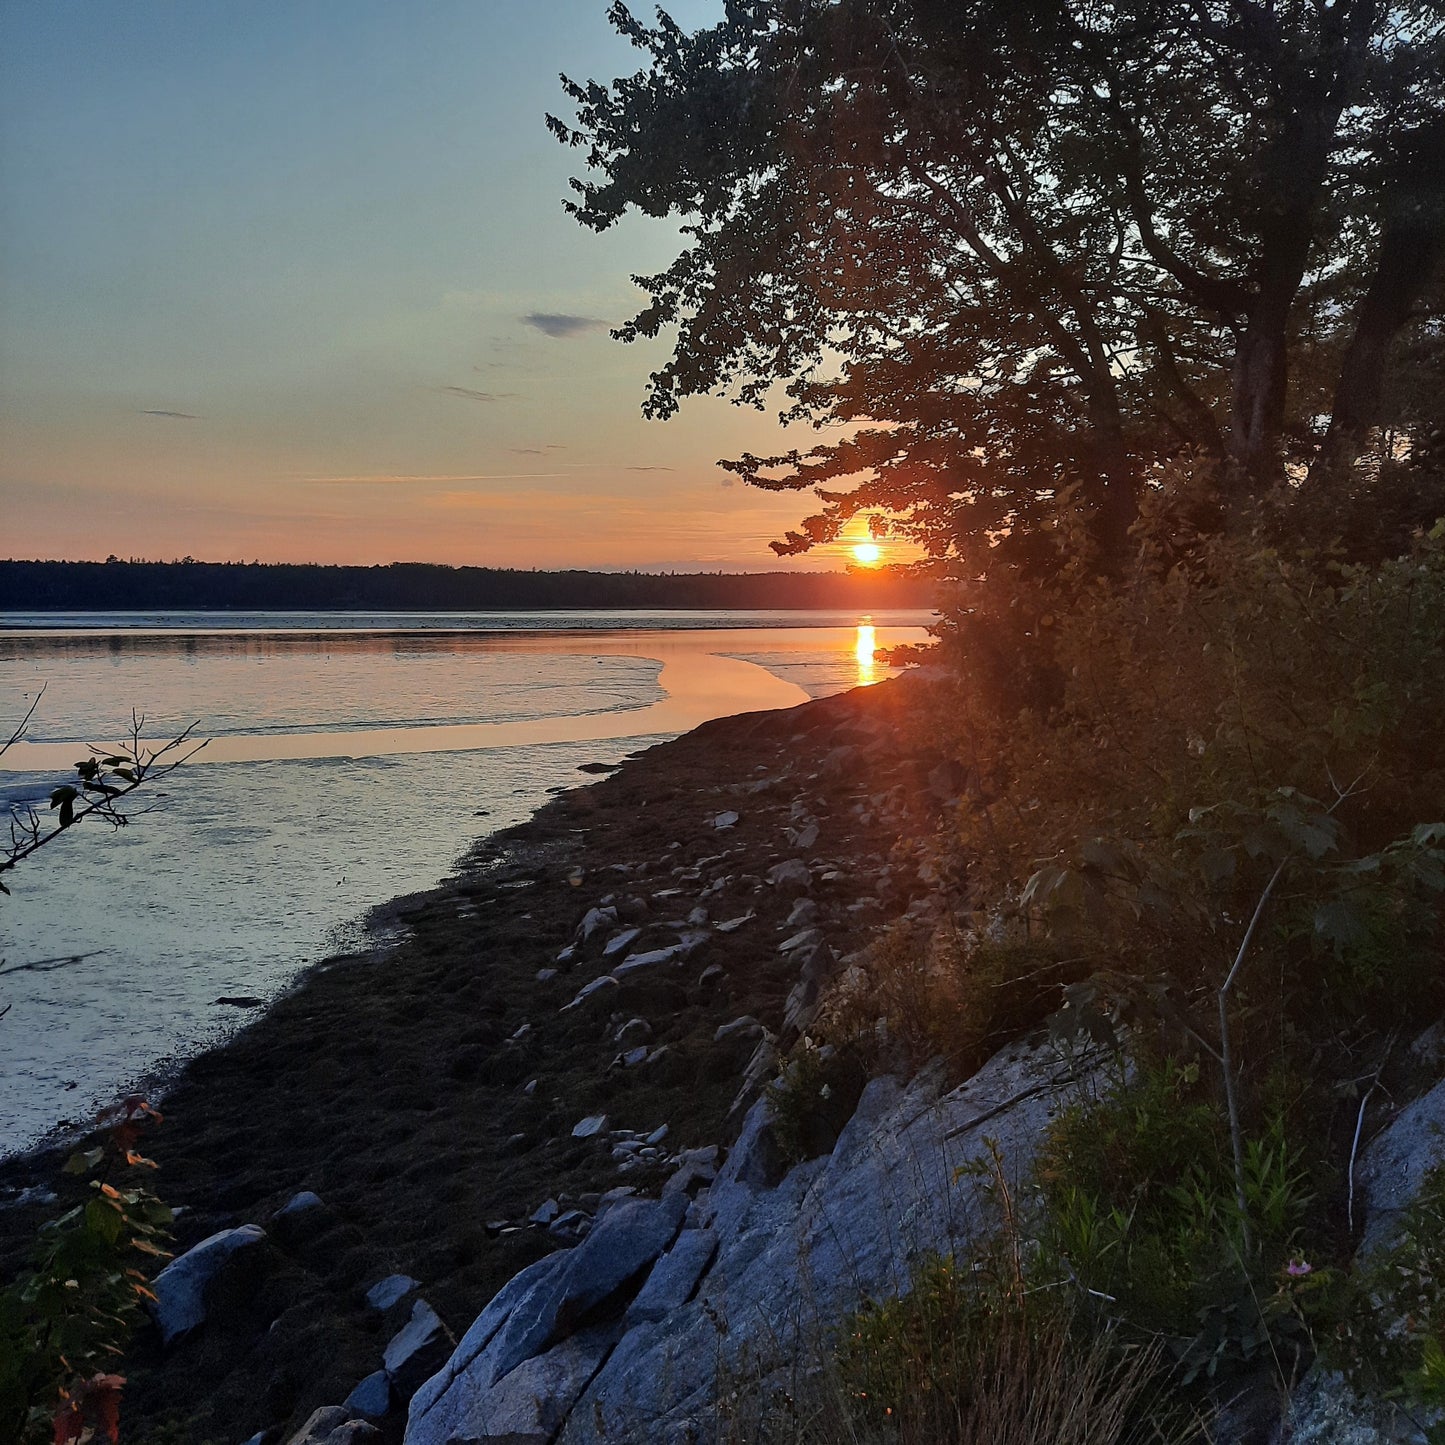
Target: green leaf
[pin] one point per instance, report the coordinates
(1217, 865)
(1341, 924)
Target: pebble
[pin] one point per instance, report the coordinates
(589, 1127)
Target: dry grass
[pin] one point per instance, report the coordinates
(1026, 1383)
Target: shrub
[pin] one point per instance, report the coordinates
(65, 1322)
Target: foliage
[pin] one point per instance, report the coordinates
(813, 1097)
(978, 235)
(1383, 1324)
(1140, 1215)
(101, 784)
(64, 1323)
(945, 990)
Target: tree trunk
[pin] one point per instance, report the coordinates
(1411, 249)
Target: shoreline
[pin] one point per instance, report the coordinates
(427, 1089)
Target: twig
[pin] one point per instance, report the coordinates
(1359, 1128)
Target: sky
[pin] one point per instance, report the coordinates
(292, 281)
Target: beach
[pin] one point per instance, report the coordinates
(428, 1091)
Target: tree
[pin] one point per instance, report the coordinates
(1033, 250)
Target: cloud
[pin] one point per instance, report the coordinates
(649, 469)
(561, 326)
(390, 479)
(529, 451)
(468, 393)
(172, 415)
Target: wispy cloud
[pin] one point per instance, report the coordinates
(388, 479)
(649, 469)
(468, 393)
(560, 325)
(529, 451)
(171, 415)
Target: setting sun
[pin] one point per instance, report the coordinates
(867, 553)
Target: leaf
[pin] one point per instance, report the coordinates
(1341, 924)
(1217, 865)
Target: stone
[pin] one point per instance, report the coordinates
(804, 837)
(634, 1031)
(371, 1397)
(545, 1212)
(390, 1291)
(319, 1424)
(594, 919)
(807, 938)
(301, 1203)
(790, 873)
(417, 1350)
(728, 819)
(698, 917)
(180, 1288)
(1395, 1165)
(546, 975)
(657, 1135)
(570, 1226)
(674, 1277)
(635, 961)
(619, 941)
(591, 990)
(519, 1349)
(589, 1127)
(746, 1027)
(525, 1407)
(631, 1058)
(804, 914)
(353, 1432)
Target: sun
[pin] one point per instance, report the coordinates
(867, 553)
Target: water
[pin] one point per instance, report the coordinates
(349, 760)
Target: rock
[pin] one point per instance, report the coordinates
(1324, 1410)
(631, 1058)
(591, 990)
(635, 961)
(353, 1432)
(657, 1135)
(589, 1127)
(731, 925)
(805, 939)
(390, 1291)
(180, 1287)
(301, 1203)
(372, 1397)
(803, 915)
(746, 1027)
(594, 919)
(546, 975)
(571, 1226)
(634, 1031)
(804, 837)
(545, 1212)
(791, 873)
(674, 1277)
(1395, 1165)
(319, 1424)
(698, 917)
(417, 1350)
(619, 941)
(519, 1349)
(725, 820)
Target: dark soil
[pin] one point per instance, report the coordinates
(398, 1085)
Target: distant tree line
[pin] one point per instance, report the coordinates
(116, 585)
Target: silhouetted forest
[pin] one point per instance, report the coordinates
(406, 586)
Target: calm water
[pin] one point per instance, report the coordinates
(351, 759)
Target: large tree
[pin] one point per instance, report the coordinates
(1030, 250)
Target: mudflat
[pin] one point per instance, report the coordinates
(428, 1091)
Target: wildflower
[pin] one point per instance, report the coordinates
(1298, 1268)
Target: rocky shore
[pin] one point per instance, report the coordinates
(582, 1016)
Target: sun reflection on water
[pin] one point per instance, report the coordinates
(863, 649)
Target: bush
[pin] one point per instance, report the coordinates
(65, 1322)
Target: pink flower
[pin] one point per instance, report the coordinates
(1298, 1268)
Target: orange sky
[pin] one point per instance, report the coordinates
(299, 291)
